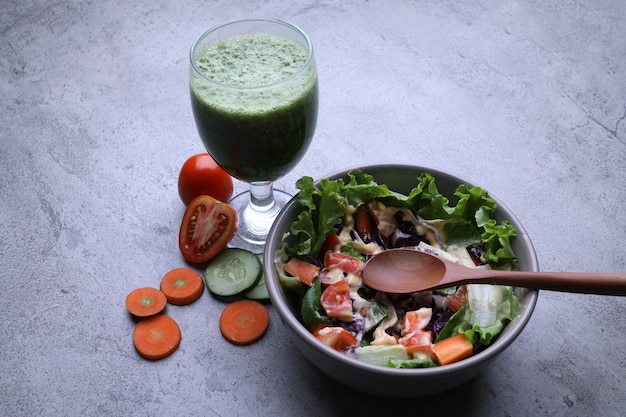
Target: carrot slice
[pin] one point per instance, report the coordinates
(453, 349)
(156, 337)
(146, 301)
(244, 322)
(182, 286)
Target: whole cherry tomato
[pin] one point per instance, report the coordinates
(200, 175)
(207, 227)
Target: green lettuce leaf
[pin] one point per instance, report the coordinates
(496, 240)
(311, 309)
(467, 222)
(488, 309)
(324, 207)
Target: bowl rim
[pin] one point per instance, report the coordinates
(281, 306)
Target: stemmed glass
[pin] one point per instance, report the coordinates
(254, 95)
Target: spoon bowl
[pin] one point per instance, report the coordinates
(410, 270)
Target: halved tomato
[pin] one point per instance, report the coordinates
(207, 227)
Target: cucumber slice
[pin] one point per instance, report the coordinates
(259, 292)
(232, 272)
(381, 354)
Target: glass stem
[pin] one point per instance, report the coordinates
(261, 196)
(262, 210)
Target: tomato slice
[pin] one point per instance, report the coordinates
(337, 338)
(336, 301)
(207, 227)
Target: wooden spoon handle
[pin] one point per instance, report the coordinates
(579, 282)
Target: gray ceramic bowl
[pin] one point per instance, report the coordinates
(380, 380)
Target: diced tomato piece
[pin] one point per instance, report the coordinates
(337, 338)
(414, 336)
(418, 341)
(365, 224)
(458, 299)
(336, 263)
(344, 262)
(330, 276)
(416, 320)
(385, 222)
(331, 243)
(336, 301)
(316, 327)
(305, 271)
(417, 338)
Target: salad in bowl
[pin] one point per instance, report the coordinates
(339, 222)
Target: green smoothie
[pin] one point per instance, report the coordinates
(255, 104)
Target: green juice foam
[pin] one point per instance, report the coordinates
(261, 65)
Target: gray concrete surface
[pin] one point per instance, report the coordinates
(527, 98)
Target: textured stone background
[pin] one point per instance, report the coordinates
(526, 98)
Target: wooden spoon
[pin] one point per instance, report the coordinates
(410, 270)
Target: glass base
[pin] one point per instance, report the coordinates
(255, 222)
